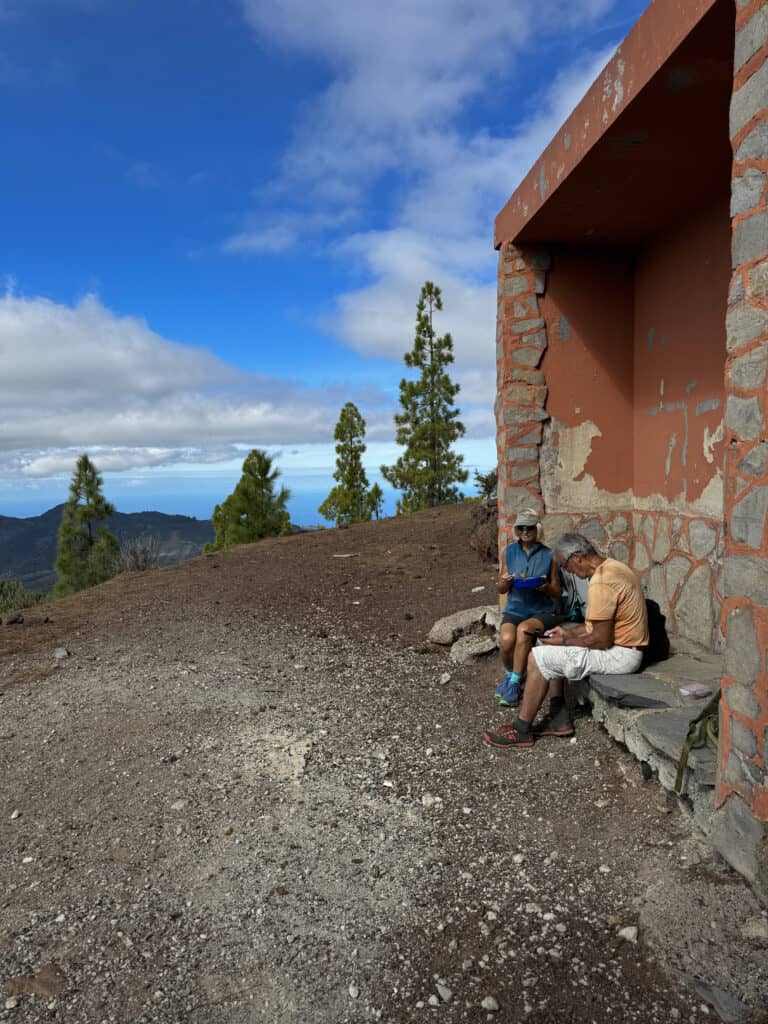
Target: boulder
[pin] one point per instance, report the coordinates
(468, 647)
(471, 620)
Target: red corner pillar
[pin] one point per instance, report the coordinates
(521, 393)
(740, 821)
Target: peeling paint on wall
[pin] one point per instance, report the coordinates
(710, 440)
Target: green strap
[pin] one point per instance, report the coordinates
(703, 729)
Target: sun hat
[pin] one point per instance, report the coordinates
(527, 518)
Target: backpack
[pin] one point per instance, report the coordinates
(658, 641)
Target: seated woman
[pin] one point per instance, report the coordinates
(527, 611)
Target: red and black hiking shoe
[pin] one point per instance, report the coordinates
(555, 725)
(508, 737)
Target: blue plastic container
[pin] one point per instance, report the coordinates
(529, 582)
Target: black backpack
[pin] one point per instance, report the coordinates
(658, 641)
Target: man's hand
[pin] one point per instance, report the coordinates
(554, 637)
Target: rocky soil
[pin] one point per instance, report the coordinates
(246, 789)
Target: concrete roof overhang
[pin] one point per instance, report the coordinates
(647, 145)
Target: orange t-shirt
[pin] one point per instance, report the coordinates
(615, 593)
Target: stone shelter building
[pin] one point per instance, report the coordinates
(632, 348)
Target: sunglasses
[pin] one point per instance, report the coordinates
(526, 528)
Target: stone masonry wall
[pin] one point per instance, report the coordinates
(521, 392)
(741, 820)
(677, 556)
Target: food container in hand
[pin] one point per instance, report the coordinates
(528, 582)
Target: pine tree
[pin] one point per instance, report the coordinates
(253, 510)
(428, 424)
(350, 501)
(86, 553)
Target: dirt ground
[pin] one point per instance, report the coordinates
(251, 791)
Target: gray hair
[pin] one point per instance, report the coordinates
(571, 544)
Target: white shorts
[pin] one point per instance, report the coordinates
(577, 662)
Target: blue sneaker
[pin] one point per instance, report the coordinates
(507, 693)
(510, 695)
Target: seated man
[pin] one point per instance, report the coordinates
(611, 641)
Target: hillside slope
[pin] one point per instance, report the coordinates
(28, 546)
(248, 791)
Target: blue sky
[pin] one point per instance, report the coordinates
(216, 217)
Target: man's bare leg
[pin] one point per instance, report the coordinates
(536, 687)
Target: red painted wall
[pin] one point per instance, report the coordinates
(588, 311)
(681, 292)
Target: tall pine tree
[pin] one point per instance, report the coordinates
(428, 470)
(350, 501)
(254, 509)
(86, 552)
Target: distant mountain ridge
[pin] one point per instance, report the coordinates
(28, 546)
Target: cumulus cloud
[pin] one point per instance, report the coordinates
(399, 78)
(81, 378)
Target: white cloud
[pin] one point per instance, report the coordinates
(83, 378)
(399, 76)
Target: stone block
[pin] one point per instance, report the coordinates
(527, 356)
(748, 100)
(515, 455)
(736, 291)
(515, 498)
(676, 570)
(533, 436)
(694, 613)
(746, 576)
(742, 699)
(519, 394)
(663, 544)
(639, 690)
(754, 145)
(666, 731)
(539, 339)
(702, 537)
(657, 587)
(527, 376)
(515, 414)
(758, 281)
(517, 285)
(531, 324)
(756, 462)
(749, 238)
(648, 529)
(523, 471)
(619, 524)
(748, 519)
(750, 38)
(743, 739)
(742, 653)
(619, 550)
(736, 775)
(741, 840)
(594, 531)
(747, 191)
(640, 557)
(747, 372)
(744, 417)
(744, 323)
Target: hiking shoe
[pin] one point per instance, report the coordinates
(510, 696)
(508, 737)
(557, 725)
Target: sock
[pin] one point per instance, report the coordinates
(512, 676)
(556, 705)
(521, 725)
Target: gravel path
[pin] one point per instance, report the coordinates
(232, 804)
